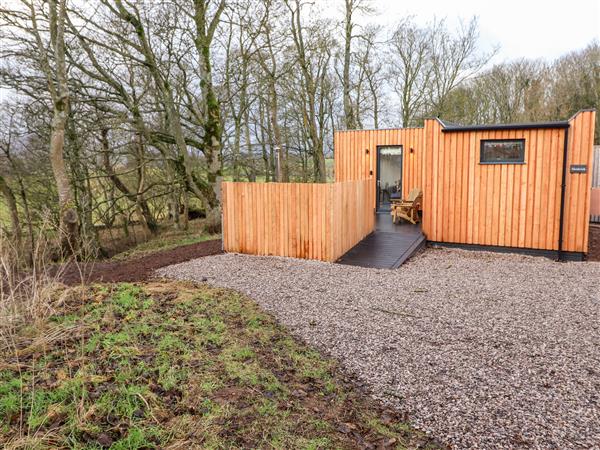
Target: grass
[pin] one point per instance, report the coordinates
(176, 365)
(4, 214)
(167, 240)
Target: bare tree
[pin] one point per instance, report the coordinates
(411, 68)
(351, 7)
(576, 83)
(136, 197)
(10, 139)
(455, 58)
(239, 50)
(529, 90)
(55, 69)
(314, 76)
(212, 123)
(374, 72)
(271, 45)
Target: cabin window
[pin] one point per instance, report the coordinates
(502, 151)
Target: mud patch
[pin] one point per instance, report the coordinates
(138, 269)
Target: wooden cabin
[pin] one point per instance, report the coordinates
(522, 187)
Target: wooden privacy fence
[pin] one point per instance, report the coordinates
(301, 220)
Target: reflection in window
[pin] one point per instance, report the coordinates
(502, 151)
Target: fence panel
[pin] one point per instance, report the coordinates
(301, 220)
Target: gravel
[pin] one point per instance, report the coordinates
(482, 350)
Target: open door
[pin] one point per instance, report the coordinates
(389, 175)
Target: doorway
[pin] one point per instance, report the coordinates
(389, 176)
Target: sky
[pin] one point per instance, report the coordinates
(521, 28)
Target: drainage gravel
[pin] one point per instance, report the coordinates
(481, 350)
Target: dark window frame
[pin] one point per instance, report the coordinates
(484, 141)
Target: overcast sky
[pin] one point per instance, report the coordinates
(522, 28)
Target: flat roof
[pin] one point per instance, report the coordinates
(450, 127)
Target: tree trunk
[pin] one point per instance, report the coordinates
(80, 184)
(310, 91)
(213, 132)
(135, 198)
(174, 206)
(186, 210)
(262, 139)
(237, 136)
(249, 159)
(319, 164)
(23, 195)
(179, 184)
(69, 219)
(375, 106)
(282, 166)
(141, 202)
(282, 172)
(28, 218)
(11, 202)
(213, 125)
(349, 115)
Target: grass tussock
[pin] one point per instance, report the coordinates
(177, 366)
(29, 290)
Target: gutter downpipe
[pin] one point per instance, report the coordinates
(563, 192)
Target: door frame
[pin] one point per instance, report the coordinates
(378, 173)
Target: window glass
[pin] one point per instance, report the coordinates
(502, 151)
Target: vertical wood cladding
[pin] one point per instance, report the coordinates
(301, 220)
(465, 202)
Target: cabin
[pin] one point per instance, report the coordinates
(521, 187)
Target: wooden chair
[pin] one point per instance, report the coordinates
(407, 209)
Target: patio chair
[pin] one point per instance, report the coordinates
(407, 209)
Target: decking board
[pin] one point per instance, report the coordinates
(387, 247)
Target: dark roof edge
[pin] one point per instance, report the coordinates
(560, 124)
(505, 126)
(377, 129)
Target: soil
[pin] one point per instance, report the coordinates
(138, 269)
(594, 243)
(142, 268)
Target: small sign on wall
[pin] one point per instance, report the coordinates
(578, 168)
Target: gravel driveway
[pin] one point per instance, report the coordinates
(482, 350)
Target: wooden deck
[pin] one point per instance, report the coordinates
(388, 247)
